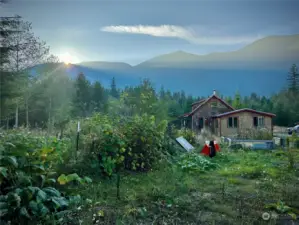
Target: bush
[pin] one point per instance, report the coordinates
(195, 163)
(114, 143)
(255, 134)
(144, 140)
(27, 179)
(188, 134)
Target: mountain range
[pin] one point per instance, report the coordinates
(259, 67)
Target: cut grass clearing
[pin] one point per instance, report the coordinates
(236, 192)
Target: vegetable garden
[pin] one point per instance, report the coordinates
(131, 171)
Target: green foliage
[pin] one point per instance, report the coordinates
(64, 179)
(236, 104)
(144, 142)
(193, 162)
(133, 143)
(27, 177)
(255, 134)
(188, 134)
(281, 208)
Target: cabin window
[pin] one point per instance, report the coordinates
(216, 123)
(258, 121)
(261, 121)
(235, 122)
(232, 122)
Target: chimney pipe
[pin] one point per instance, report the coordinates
(214, 92)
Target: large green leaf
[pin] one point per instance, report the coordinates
(10, 144)
(13, 199)
(3, 171)
(3, 208)
(88, 180)
(72, 177)
(9, 161)
(50, 181)
(24, 212)
(60, 202)
(33, 206)
(43, 210)
(52, 191)
(41, 196)
(62, 179)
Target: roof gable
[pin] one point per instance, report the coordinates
(210, 98)
(198, 102)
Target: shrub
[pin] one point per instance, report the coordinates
(144, 140)
(195, 162)
(255, 134)
(188, 134)
(113, 143)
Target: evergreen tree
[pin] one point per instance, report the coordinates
(98, 96)
(293, 79)
(236, 104)
(82, 97)
(114, 92)
(162, 93)
(228, 100)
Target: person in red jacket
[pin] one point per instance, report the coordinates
(210, 149)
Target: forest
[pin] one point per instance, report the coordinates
(122, 165)
(46, 97)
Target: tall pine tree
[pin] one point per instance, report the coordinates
(114, 92)
(236, 104)
(293, 79)
(82, 97)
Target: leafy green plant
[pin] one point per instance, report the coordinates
(27, 178)
(281, 208)
(196, 163)
(188, 134)
(64, 179)
(144, 141)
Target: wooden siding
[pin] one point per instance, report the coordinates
(211, 108)
(245, 121)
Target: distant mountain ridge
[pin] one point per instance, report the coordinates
(280, 50)
(259, 67)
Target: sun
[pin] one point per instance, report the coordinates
(66, 58)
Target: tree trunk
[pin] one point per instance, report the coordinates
(27, 113)
(17, 116)
(49, 117)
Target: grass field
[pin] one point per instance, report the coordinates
(235, 191)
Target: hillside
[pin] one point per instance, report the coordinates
(260, 67)
(277, 51)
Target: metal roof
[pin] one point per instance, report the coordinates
(245, 110)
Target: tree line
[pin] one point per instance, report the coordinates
(37, 91)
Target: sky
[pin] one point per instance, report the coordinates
(133, 31)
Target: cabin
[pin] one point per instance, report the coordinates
(222, 119)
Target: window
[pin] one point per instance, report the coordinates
(258, 121)
(255, 121)
(232, 122)
(235, 122)
(261, 121)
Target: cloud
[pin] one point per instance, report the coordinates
(186, 33)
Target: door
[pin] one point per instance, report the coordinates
(200, 123)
